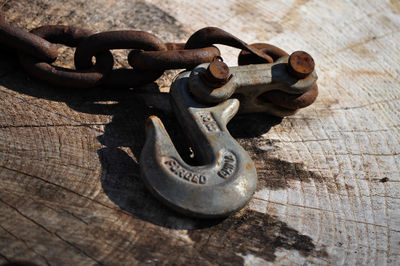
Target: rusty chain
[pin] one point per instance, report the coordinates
(149, 57)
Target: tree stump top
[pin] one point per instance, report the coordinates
(328, 191)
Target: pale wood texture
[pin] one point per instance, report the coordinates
(328, 193)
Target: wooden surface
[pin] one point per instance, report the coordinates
(328, 192)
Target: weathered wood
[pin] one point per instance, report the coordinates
(328, 193)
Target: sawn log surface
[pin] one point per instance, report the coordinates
(329, 179)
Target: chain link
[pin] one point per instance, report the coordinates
(26, 42)
(70, 36)
(171, 59)
(149, 57)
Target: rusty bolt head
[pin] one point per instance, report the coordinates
(300, 64)
(217, 73)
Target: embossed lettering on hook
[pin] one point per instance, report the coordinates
(227, 179)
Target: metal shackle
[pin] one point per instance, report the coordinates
(249, 82)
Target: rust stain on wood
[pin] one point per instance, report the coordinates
(293, 15)
(395, 6)
(251, 233)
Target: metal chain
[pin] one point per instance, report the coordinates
(149, 58)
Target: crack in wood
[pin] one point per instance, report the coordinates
(64, 188)
(48, 231)
(67, 212)
(26, 245)
(79, 249)
(57, 125)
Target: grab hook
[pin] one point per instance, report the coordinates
(227, 179)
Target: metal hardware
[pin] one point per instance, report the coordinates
(300, 64)
(212, 35)
(37, 51)
(217, 73)
(70, 36)
(290, 75)
(26, 42)
(267, 80)
(226, 180)
(171, 59)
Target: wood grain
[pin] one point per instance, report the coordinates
(328, 192)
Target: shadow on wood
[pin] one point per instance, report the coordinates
(121, 174)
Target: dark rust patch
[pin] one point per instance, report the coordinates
(277, 173)
(290, 101)
(217, 73)
(329, 102)
(300, 64)
(248, 166)
(384, 180)
(250, 233)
